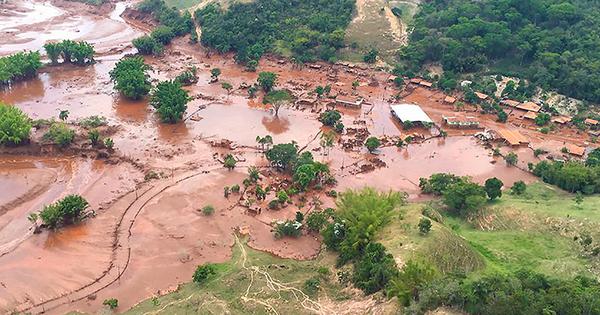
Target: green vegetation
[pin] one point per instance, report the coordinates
(170, 101)
(147, 45)
(571, 176)
(15, 126)
(306, 30)
(112, 303)
(277, 99)
(60, 134)
(283, 156)
(203, 273)
(79, 53)
(549, 42)
(229, 162)
(130, 77)
(168, 16)
(493, 188)
(208, 210)
(372, 144)
(267, 80)
(163, 34)
(330, 117)
(18, 67)
(188, 77)
(64, 212)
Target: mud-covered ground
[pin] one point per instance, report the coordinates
(147, 235)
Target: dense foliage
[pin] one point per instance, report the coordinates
(65, 211)
(79, 53)
(130, 77)
(170, 101)
(571, 176)
(283, 156)
(179, 24)
(522, 292)
(309, 30)
(60, 134)
(20, 66)
(554, 43)
(462, 196)
(203, 273)
(14, 125)
(148, 45)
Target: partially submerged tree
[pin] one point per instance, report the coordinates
(64, 212)
(170, 101)
(267, 80)
(131, 78)
(278, 99)
(15, 126)
(372, 144)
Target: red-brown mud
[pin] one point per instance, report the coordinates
(147, 238)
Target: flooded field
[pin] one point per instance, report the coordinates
(147, 235)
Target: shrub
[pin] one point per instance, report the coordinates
(374, 269)
(170, 101)
(94, 136)
(93, 122)
(274, 204)
(18, 67)
(312, 285)
(424, 225)
(511, 159)
(464, 197)
(65, 211)
(15, 126)
(163, 34)
(339, 127)
(203, 273)
(147, 45)
(282, 196)
(130, 77)
(299, 217)
(519, 188)
(60, 134)
(287, 228)
(208, 210)
(372, 144)
(229, 162)
(109, 143)
(235, 188)
(267, 80)
(112, 303)
(330, 117)
(316, 220)
(493, 188)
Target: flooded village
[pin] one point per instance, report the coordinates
(147, 234)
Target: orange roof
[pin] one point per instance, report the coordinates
(530, 115)
(590, 121)
(481, 95)
(530, 106)
(450, 99)
(416, 80)
(575, 149)
(561, 119)
(425, 83)
(510, 103)
(512, 136)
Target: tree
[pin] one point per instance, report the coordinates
(63, 212)
(319, 90)
(267, 80)
(163, 34)
(170, 101)
(253, 174)
(411, 279)
(464, 197)
(518, 187)
(371, 56)
(282, 156)
(424, 225)
(130, 77)
(147, 45)
(502, 116)
(511, 159)
(327, 141)
(593, 158)
(94, 136)
(316, 220)
(63, 115)
(251, 65)
(227, 86)
(493, 188)
(372, 144)
(15, 126)
(330, 117)
(229, 162)
(277, 99)
(542, 119)
(375, 269)
(214, 74)
(264, 142)
(203, 273)
(83, 53)
(355, 84)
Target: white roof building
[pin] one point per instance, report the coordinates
(410, 112)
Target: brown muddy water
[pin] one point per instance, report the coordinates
(148, 237)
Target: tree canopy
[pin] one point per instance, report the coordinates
(130, 77)
(170, 101)
(553, 43)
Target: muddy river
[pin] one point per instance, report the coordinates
(147, 236)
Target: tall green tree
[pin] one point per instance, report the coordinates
(170, 101)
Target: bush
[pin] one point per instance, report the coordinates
(229, 162)
(511, 159)
(283, 155)
(493, 188)
(375, 269)
(18, 67)
(372, 144)
(170, 101)
(203, 273)
(287, 228)
(112, 303)
(316, 220)
(60, 134)
(94, 136)
(163, 34)
(15, 126)
(93, 122)
(267, 80)
(424, 225)
(130, 77)
(330, 117)
(519, 188)
(208, 210)
(438, 183)
(235, 188)
(109, 143)
(147, 45)
(465, 198)
(312, 285)
(63, 212)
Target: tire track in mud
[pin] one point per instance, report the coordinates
(121, 252)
